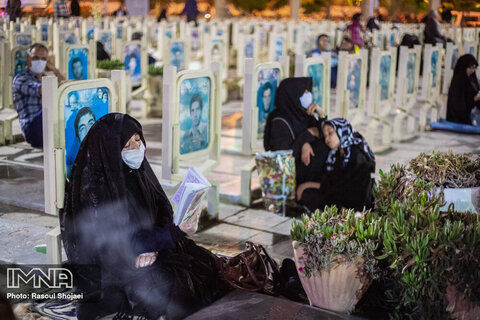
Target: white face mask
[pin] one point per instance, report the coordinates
(306, 99)
(134, 158)
(38, 66)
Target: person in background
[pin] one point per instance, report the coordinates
(347, 45)
(163, 15)
(191, 10)
(432, 33)
(355, 29)
(75, 8)
(446, 15)
(464, 91)
(322, 46)
(292, 125)
(60, 9)
(14, 9)
(101, 53)
(346, 179)
(373, 22)
(121, 11)
(27, 93)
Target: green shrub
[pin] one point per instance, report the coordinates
(155, 71)
(110, 64)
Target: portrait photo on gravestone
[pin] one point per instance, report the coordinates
(267, 83)
(78, 64)
(194, 114)
(82, 109)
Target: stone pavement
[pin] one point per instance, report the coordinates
(23, 225)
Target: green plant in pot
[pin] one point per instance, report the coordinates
(430, 257)
(334, 255)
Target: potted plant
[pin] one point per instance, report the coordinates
(233, 88)
(430, 253)
(334, 255)
(153, 95)
(105, 67)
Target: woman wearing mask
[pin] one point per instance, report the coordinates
(293, 125)
(345, 180)
(117, 217)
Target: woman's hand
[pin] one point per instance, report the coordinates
(307, 151)
(145, 259)
(314, 108)
(306, 185)
(314, 132)
(477, 97)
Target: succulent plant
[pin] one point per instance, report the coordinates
(110, 64)
(328, 234)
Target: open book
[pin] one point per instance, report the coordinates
(188, 198)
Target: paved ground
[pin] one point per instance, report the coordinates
(23, 225)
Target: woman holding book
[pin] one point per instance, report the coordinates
(117, 217)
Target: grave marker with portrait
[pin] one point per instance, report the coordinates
(351, 86)
(381, 82)
(451, 57)
(23, 39)
(133, 61)
(78, 63)
(177, 54)
(319, 69)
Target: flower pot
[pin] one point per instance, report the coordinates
(338, 287)
(154, 94)
(104, 73)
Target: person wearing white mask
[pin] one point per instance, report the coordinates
(27, 93)
(295, 124)
(117, 216)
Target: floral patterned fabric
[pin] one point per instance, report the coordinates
(276, 170)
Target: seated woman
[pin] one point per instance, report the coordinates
(464, 91)
(292, 125)
(117, 217)
(346, 180)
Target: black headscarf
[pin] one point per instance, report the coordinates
(462, 91)
(113, 213)
(288, 106)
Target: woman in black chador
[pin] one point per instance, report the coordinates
(346, 180)
(464, 91)
(292, 126)
(117, 217)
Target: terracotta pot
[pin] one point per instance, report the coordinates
(337, 287)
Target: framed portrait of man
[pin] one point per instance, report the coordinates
(82, 108)
(353, 82)
(194, 114)
(20, 61)
(433, 67)
(384, 76)
(249, 49)
(267, 83)
(119, 31)
(133, 62)
(44, 32)
(177, 55)
(411, 67)
(78, 64)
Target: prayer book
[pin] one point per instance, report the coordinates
(188, 197)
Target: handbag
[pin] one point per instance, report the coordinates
(252, 270)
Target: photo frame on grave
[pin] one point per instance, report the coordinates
(107, 39)
(351, 85)
(266, 81)
(44, 32)
(218, 52)
(195, 39)
(178, 54)
(408, 69)
(194, 113)
(378, 38)
(381, 82)
(69, 38)
(248, 47)
(432, 66)
(23, 39)
(277, 46)
(319, 69)
(18, 60)
(470, 48)
(78, 62)
(451, 56)
(134, 61)
(68, 130)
